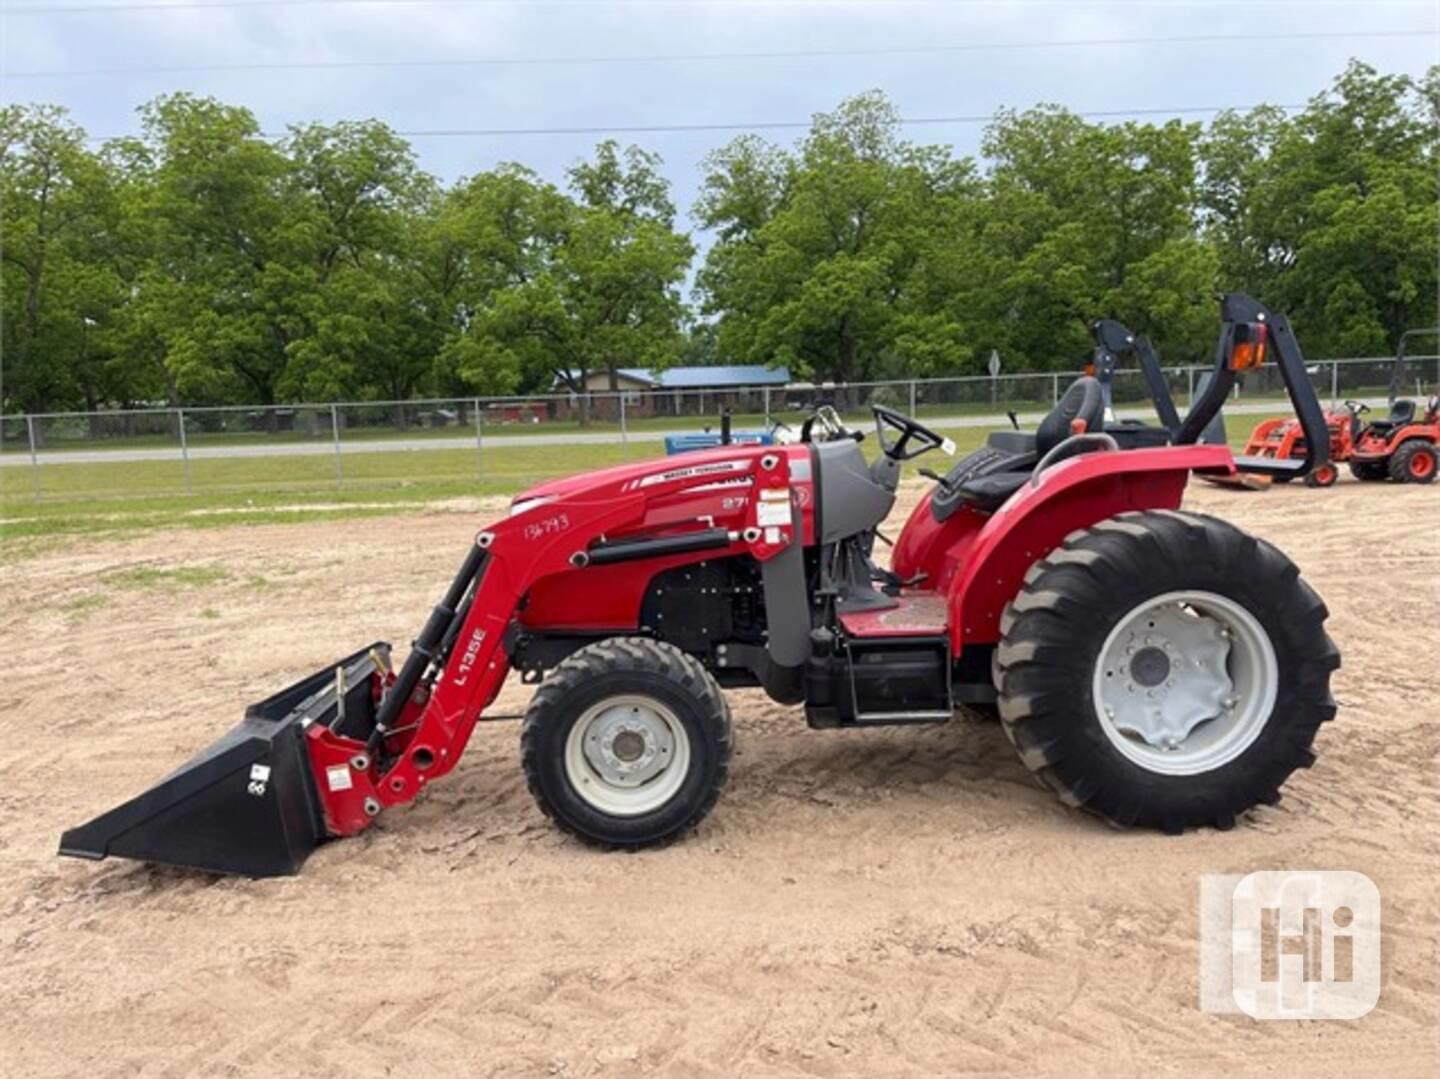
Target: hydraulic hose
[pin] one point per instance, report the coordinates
(427, 647)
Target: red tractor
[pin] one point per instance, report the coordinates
(1159, 668)
(1402, 447)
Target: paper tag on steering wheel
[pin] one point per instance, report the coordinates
(947, 447)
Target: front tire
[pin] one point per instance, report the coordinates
(1165, 670)
(627, 743)
(1324, 476)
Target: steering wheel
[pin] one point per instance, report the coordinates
(1358, 408)
(909, 431)
(831, 426)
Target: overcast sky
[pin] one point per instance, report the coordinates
(39, 37)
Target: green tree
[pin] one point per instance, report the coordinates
(822, 255)
(223, 242)
(494, 237)
(562, 287)
(362, 211)
(1085, 220)
(204, 262)
(55, 218)
(1331, 214)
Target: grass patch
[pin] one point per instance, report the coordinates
(156, 577)
(405, 475)
(83, 605)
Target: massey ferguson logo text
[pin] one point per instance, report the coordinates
(1290, 945)
(718, 468)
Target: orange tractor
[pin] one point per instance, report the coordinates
(1402, 447)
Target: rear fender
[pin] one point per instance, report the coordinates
(1428, 433)
(1075, 493)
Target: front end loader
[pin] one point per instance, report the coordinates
(1158, 668)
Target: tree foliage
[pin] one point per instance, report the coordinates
(202, 262)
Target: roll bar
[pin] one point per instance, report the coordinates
(1397, 372)
(1113, 339)
(1236, 310)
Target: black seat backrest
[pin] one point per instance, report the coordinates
(1084, 400)
(1401, 413)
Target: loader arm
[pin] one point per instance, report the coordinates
(434, 718)
(423, 732)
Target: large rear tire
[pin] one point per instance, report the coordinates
(627, 743)
(1165, 670)
(1414, 462)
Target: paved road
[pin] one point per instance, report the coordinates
(15, 459)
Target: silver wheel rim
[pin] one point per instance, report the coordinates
(1185, 682)
(627, 755)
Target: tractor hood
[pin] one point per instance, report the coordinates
(696, 462)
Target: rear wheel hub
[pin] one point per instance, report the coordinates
(1150, 667)
(1185, 682)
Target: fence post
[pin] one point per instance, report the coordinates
(1190, 392)
(1334, 383)
(1055, 388)
(479, 445)
(624, 435)
(184, 447)
(912, 398)
(34, 460)
(766, 394)
(335, 438)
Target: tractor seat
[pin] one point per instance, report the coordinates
(1402, 413)
(986, 478)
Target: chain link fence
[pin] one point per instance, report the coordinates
(515, 440)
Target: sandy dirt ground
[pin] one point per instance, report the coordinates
(892, 901)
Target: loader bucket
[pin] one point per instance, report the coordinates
(247, 804)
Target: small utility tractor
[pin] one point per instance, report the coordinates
(1159, 668)
(1402, 447)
